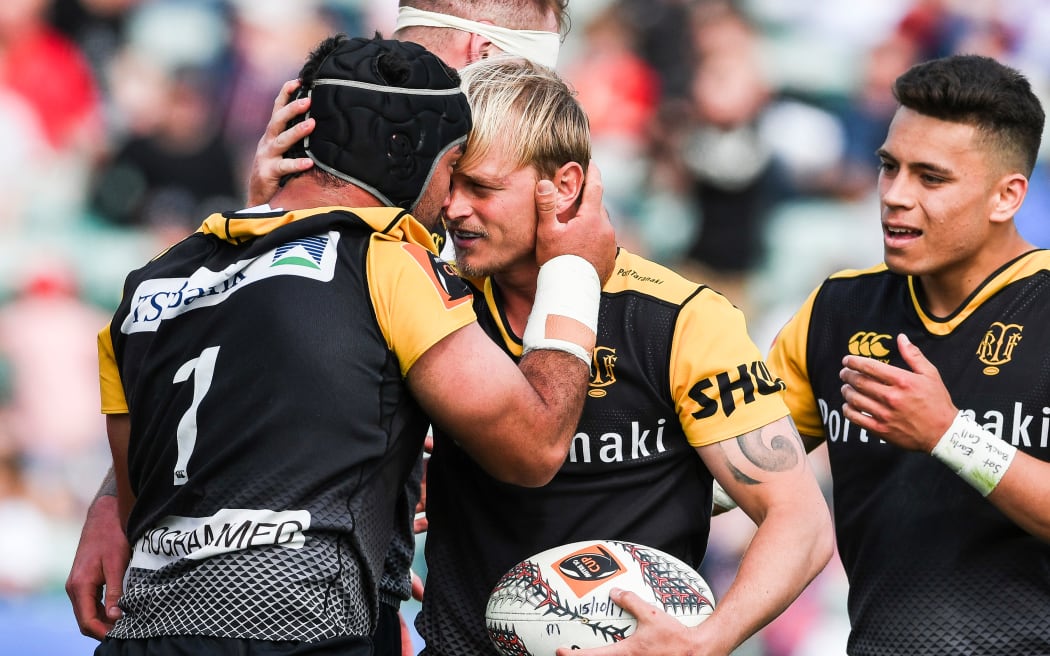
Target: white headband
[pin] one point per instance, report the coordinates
(534, 45)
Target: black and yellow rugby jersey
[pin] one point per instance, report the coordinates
(674, 369)
(933, 567)
(262, 362)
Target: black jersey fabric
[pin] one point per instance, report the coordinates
(933, 567)
(262, 362)
(673, 370)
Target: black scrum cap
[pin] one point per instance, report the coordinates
(383, 125)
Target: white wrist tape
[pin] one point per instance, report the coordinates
(564, 315)
(973, 453)
(720, 498)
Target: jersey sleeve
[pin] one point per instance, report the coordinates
(721, 386)
(418, 298)
(111, 387)
(787, 359)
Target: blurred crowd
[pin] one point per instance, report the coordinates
(736, 141)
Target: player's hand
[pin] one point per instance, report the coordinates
(270, 165)
(101, 559)
(911, 409)
(417, 586)
(420, 524)
(588, 233)
(657, 633)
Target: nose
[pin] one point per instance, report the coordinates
(894, 190)
(455, 204)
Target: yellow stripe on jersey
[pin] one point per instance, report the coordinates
(720, 385)
(111, 387)
(787, 359)
(411, 296)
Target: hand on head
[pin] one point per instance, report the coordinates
(587, 233)
(270, 164)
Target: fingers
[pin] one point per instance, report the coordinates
(913, 357)
(90, 614)
(270, 165)
(592, 191)
(285, 94)
(546, 201)
(420, 524)
(417, 586)
(633, 604)
(114, 589)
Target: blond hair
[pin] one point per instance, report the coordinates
(527, 108)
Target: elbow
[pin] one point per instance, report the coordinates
(824, 541)
(533, 466)
(537, 469)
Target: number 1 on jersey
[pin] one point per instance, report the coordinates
(202, 368)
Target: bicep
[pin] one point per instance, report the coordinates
(761, 467)
(515, 422)
(461, 379)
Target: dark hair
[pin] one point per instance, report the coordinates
(392, 68)
(386, 112)
(982, 92)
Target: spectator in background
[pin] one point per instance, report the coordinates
(31, 52)
(731, 169)
(51, 106)
(164, 178)
(41, 331)
(867, 112)
(620, 92)
(98, 27)
(267, 39)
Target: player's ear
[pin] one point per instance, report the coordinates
(1011, 192)
(480, 47)
(568, 181)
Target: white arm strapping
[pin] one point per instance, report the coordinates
(973, 453)
(564, 315)
(720, 498)
(535, 45)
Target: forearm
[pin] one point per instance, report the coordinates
(785, 555)
(533, 450)
(1022, 493)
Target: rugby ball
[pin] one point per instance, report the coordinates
(560, 597)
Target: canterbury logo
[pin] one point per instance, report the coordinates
(869, 344)
(997, 345)
(604, 360)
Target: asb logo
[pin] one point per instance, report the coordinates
(997, 345)
(157, 300)
(604, 359)
(307, 252)
(869, 344)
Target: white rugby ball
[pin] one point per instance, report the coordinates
(560, 597)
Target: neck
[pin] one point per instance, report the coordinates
(946, 291)
(518, 290)
(305, 191)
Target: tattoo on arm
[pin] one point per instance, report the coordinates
(767, 448)
(740, 476)
(780, 454)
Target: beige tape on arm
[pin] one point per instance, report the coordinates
(564, 314)
(977, 456)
